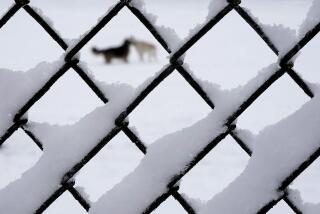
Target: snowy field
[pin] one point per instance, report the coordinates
(229, 55)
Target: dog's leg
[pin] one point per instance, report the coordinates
(150, 56)
(140, 54)
(125, 59)
(153, 55)
(108, 59)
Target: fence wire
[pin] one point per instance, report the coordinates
(175, 63)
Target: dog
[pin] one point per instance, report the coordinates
(144, 48)
(121, 52)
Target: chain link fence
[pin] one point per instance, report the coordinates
(176, 63)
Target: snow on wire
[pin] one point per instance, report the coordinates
(155, 179)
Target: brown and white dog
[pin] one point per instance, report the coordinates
(144, 48)
(120, 52)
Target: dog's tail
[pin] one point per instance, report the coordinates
(95, 50)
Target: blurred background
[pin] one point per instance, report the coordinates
(229, 55)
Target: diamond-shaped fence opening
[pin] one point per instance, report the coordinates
(157, 177)
(293, 18)
(17, 156)
(208, 177)
(65, 203)
(37, 44)
(303, 183)
(281, 207)
(280, 100)
(240, 51)
(113, 35)
(183, 27)
(61, 106)
(177, 103)
(306, 61)
(109, 166)
(169, 205)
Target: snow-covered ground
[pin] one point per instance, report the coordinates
(229, 55)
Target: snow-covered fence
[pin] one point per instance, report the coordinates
(283, 151)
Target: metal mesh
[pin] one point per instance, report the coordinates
(67, 184)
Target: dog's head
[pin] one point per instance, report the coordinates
(128, 41)
(94, 50)
(132, 40)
